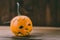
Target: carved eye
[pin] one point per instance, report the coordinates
(29, 24)
(21, 27)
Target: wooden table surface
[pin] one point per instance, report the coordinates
(38, 33)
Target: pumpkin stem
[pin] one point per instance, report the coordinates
(18, 8)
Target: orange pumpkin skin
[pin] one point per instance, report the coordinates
(21, 25)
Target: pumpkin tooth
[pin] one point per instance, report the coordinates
(27, 33)
(19, 34)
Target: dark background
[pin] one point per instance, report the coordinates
(41, 12)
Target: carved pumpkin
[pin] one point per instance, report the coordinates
(21, 25)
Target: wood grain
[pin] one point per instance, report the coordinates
(38, 33)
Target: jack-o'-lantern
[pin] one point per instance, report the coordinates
(21, 25)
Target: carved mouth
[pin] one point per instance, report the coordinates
(19, 33)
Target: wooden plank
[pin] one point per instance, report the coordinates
(38, 33)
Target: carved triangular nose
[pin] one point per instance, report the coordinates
(26, 29)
